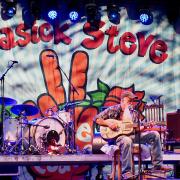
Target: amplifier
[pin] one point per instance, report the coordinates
(173, 126)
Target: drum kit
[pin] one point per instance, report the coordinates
(52, 134)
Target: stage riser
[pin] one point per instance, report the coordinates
(71, 159)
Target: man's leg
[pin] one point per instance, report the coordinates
(153, 139)
(125, 145)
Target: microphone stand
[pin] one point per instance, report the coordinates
(157, 101)
(73, 112)
(139, 144)
(135, 116)
(160, 118)
(2, 79)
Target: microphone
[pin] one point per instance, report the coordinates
(155, 97)
(131, 109)
(71, 104)
(14, 62)
(46, 127)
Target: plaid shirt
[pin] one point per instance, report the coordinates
(113, 112)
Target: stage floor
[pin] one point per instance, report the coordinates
(69, 159)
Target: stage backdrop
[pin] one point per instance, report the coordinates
(71, 63)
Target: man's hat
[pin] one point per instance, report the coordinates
(128, 94)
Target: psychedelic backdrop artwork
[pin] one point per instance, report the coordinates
(69, 63)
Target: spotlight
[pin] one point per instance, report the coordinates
(35, 9)
(52, 14)
(11, 11)
(10, 8)
(51, 11)
(74, 10)
(113, 14)
(93, 16)
(74, 16)
(145, 16)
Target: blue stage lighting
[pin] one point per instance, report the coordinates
(74, 16)
(52, 14)
(11, 11)
(9, 8)
(145, 16)
(113, 14)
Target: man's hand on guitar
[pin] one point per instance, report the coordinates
(113, 128)
(112, 125)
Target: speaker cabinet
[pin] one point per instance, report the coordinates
(173, 126)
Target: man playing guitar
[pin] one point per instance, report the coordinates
(116, 122)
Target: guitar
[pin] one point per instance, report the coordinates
(124, 128)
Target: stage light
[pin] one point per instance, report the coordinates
(35, 9)
(145, 16)
(93, 16)
(11, 11)
(74, 16)
(10, 8)
(113, 14)
(74, 9)
(52, 14)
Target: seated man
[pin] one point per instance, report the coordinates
(123, 112)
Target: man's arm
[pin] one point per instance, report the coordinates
(102, 119)
(101, 122)
(107, 123)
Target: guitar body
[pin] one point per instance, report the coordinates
(124, 128)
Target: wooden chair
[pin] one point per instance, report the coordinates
(154, 113)
(116, 161)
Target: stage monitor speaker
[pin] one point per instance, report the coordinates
(173, 126)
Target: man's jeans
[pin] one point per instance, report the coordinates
(151, 138)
